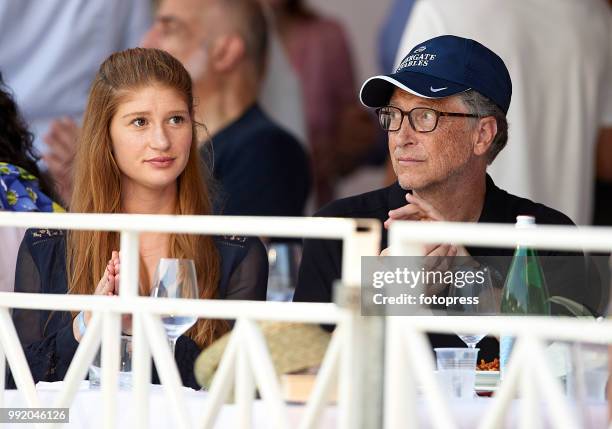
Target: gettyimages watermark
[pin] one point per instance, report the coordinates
(406, 286)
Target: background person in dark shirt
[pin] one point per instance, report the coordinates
(446, 124)
(261, 169)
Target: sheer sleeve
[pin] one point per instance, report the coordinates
(249, 280)
(27, 280)
(47, 338)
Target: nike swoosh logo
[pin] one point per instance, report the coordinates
(432, 89)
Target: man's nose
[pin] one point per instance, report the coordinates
(405, 135)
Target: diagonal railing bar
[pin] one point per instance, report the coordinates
(325, 380)
(529, 414)
(507, 391)
(17, 360)
(265, 376)
(167, 369)
(83, 357)
(423, 369)
(222, 382)
(557, 404)
(348, 392)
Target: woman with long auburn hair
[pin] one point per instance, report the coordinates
(137, 153)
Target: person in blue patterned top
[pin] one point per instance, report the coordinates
(22, 186)
(20, 191)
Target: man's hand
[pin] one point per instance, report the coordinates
(418, 209)
(62, 142)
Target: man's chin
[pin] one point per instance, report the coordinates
(407, 183)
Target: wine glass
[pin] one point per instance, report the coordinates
(283, 260)
(175, 278)
(488, 304)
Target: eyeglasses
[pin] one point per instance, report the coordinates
(422, 119)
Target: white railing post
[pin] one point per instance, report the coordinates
(109, 382)
(141, 367)
(400, 399)
(244, 385)
(362, 336)
(166, 369)
(130, 263)
(326, 379)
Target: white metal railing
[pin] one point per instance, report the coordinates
(407, 345)
(246, 349)
(407, 348)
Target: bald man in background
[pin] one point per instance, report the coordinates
(261, 168)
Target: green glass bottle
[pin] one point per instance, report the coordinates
(524, 292)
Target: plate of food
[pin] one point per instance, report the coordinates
(487, 376)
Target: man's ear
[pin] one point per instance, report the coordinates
(227, 52)
(486, 131)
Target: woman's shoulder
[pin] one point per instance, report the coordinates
(41, 262)
(233, 249)
(236, 245)
(42, 240)
(238, 253)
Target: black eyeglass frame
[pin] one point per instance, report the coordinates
(409, 115)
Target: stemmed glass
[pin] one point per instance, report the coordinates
(284, 260)
(175, 278)
(487, 305)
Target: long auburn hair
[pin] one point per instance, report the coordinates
(97, 181)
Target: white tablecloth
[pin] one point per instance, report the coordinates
(86, 410)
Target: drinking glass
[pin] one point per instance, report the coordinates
(457, 371)
(175, 278)
(284, 261)
(125, 365)
(487, 305)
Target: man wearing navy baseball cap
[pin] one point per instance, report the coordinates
(444, 110)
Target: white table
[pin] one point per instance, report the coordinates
(86, 410)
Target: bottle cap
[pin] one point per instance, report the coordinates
(525, 221)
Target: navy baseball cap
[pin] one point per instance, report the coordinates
(441, 67)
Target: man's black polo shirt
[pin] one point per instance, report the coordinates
(321, 260)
